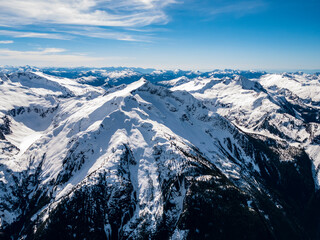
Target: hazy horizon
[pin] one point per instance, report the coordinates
(308, 71)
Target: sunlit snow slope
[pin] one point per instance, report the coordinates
(198, 157)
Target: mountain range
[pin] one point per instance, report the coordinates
(125, 153)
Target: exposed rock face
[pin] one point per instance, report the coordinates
(203, 158)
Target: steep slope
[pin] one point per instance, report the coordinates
(140, 161)
(282, 106)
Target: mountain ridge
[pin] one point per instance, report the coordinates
(141, 160)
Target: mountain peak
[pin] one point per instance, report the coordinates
(159, 156)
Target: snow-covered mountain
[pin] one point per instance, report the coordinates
(114, 76)
(167, 155)
(281, 106)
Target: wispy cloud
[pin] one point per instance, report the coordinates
(67, 33)
(18, 34)
(99, 32)
(12, 53)
(6, 42)
(53, 57)
(117, 13)
(91, 18)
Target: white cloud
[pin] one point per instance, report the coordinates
(52, 50)
(98, 32)
(118, 13)
(12, 53)
(65, 19)
(6, 42)
(53, 57)
(19, 34)
(68, 33)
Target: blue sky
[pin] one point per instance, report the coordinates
(166, 34)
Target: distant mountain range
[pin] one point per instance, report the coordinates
(128, 153)
(123, 75)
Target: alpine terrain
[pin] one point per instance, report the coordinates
(125, 153)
